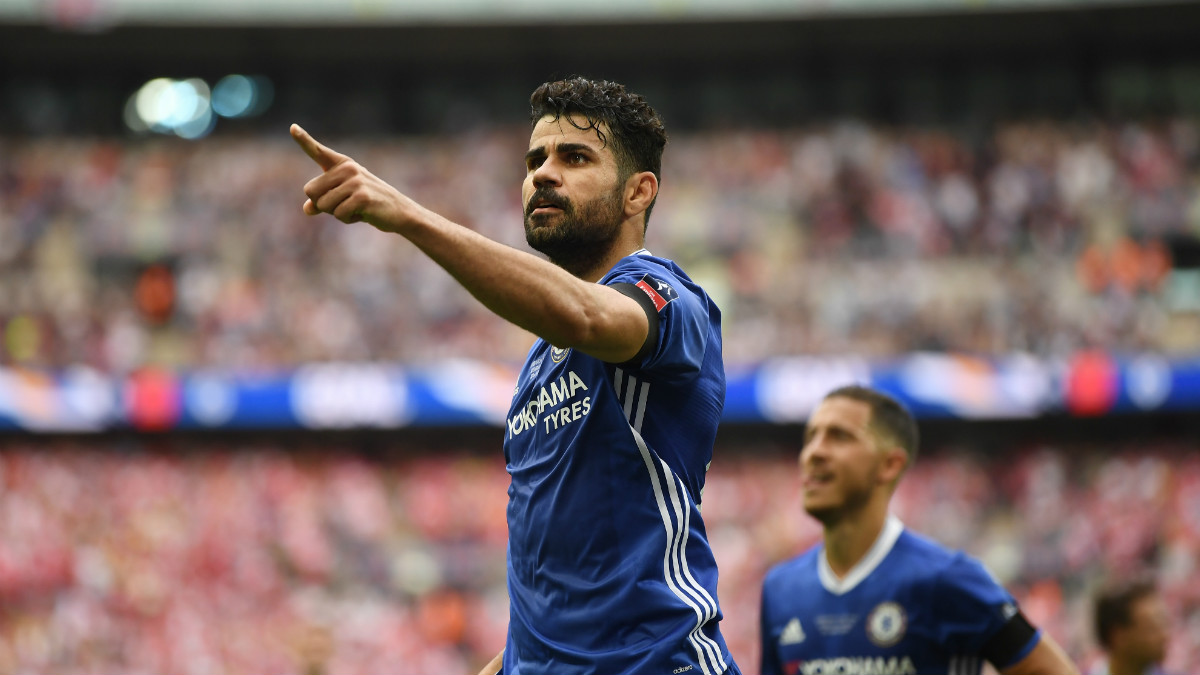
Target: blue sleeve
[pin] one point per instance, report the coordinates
(976, 608)
(683, 321)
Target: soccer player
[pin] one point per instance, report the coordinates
(1132, 626)
(874, 597)
(612, 424)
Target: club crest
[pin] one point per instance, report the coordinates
(886, 624)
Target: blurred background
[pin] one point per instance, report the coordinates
(235, 439)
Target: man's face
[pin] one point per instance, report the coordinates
(573, 195)
(841, 460)
(1145, 638)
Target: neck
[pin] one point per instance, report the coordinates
(621, 248)
(597, 271)
(1119, 665)
(849, 538)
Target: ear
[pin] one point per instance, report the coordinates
(640, 190)
(895, 461)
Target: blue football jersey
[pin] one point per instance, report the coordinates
(609, 567)
(910, 607)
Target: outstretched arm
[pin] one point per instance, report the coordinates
(530, 292)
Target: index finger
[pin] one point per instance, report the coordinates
(323, 156)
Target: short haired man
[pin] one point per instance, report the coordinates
(1132, 627)
(874, 597)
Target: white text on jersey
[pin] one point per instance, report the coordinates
(553, 396)
(860, 665)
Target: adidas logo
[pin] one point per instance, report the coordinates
(792, 633)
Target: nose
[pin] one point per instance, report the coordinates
(813, 452)
(547, 174)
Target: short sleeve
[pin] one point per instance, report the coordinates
(975, 608)
(683, 321)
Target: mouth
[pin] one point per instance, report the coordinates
(545, 204)
(813, 481)
(544, 209)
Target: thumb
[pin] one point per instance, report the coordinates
(323, 156)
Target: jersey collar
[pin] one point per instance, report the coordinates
(875, 555)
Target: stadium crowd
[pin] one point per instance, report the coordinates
(169, 556)
(151, 556)
(1043, 237)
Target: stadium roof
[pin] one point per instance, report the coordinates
(385, 12)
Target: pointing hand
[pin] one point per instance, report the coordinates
(347, 190)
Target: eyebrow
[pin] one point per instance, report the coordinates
(561, 148)
(811, 431)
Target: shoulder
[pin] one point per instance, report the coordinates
(931, 552)
(644, 260)
(950, 571)
(925, 561)
(790, 587)
(793, 571)
(653, 270)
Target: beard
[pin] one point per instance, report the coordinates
(855, 493)
(582, 237)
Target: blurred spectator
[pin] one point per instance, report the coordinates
(1045, 237)
(155, 556)
(1132, 625)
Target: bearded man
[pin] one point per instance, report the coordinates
(611, 428)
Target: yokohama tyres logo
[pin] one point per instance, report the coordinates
(859, 665)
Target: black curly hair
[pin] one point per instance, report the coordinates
(637, 132)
